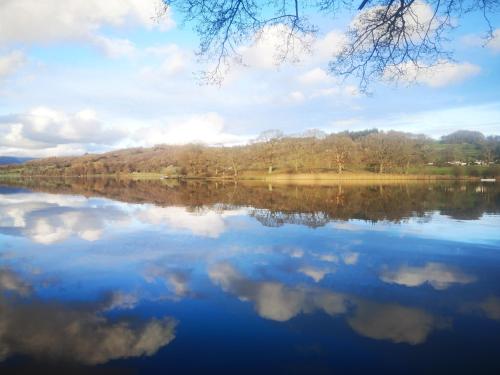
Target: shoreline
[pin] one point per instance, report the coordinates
(275, 178)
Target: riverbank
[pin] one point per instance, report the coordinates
(275, 177)
(424, 173)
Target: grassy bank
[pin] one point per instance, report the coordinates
(374, 177)
(424, 173)
(275, 177)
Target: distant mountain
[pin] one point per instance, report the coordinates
(13, 160)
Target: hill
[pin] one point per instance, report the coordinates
(369, 151)
(13, 160)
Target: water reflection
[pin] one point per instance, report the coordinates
(109, 272)
(176, 279)
(64, 332)
(307, 205)
(440, 276)
(396, 323)
(276, 301)
(491, 307)
(207, 222)
(48, 219)
(11, 282)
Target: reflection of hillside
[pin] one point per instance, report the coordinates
(307, 205)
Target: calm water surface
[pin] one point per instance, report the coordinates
(149, 277)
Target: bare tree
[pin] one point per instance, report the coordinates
(382, 149)
(343, 150)
(389, 39)
(270, 138)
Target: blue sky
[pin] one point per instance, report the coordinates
(88, 76)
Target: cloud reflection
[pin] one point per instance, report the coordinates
(439, 275)
(208, 223)
(491, 307)
(316, 273)
(11, 282)
(176, 279)
(48, 219)
(80, 333)
(276, 301)
(55, 219)
(394, 322)
(55, 332)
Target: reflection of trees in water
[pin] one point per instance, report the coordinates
(307, 205)
(471, 203)
(278, 218)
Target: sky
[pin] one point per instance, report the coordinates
(91, 76)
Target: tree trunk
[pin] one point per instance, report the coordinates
(235, 169)
(381, 168)
(339, 160)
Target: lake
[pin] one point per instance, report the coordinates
(109, 276)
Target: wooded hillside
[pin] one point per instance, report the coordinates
(273, 152)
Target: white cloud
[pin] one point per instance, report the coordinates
(296, 97)
(314, 76)
(439, 275)
(205, 128)
(47, 152)
(494, 43)
(329, 46)
(33, 21)
(442, 74)
(317, 83)
(419, 19)
(114, 47)
(45, 129)
(420, 22)
(440, 121)
(173, 60)
(347, 91)
(10, 63)
(269, 48)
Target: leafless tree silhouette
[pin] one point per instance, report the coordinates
(385, 38)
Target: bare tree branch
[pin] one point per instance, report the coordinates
(385, 40)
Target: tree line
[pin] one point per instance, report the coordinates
(273, 152)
